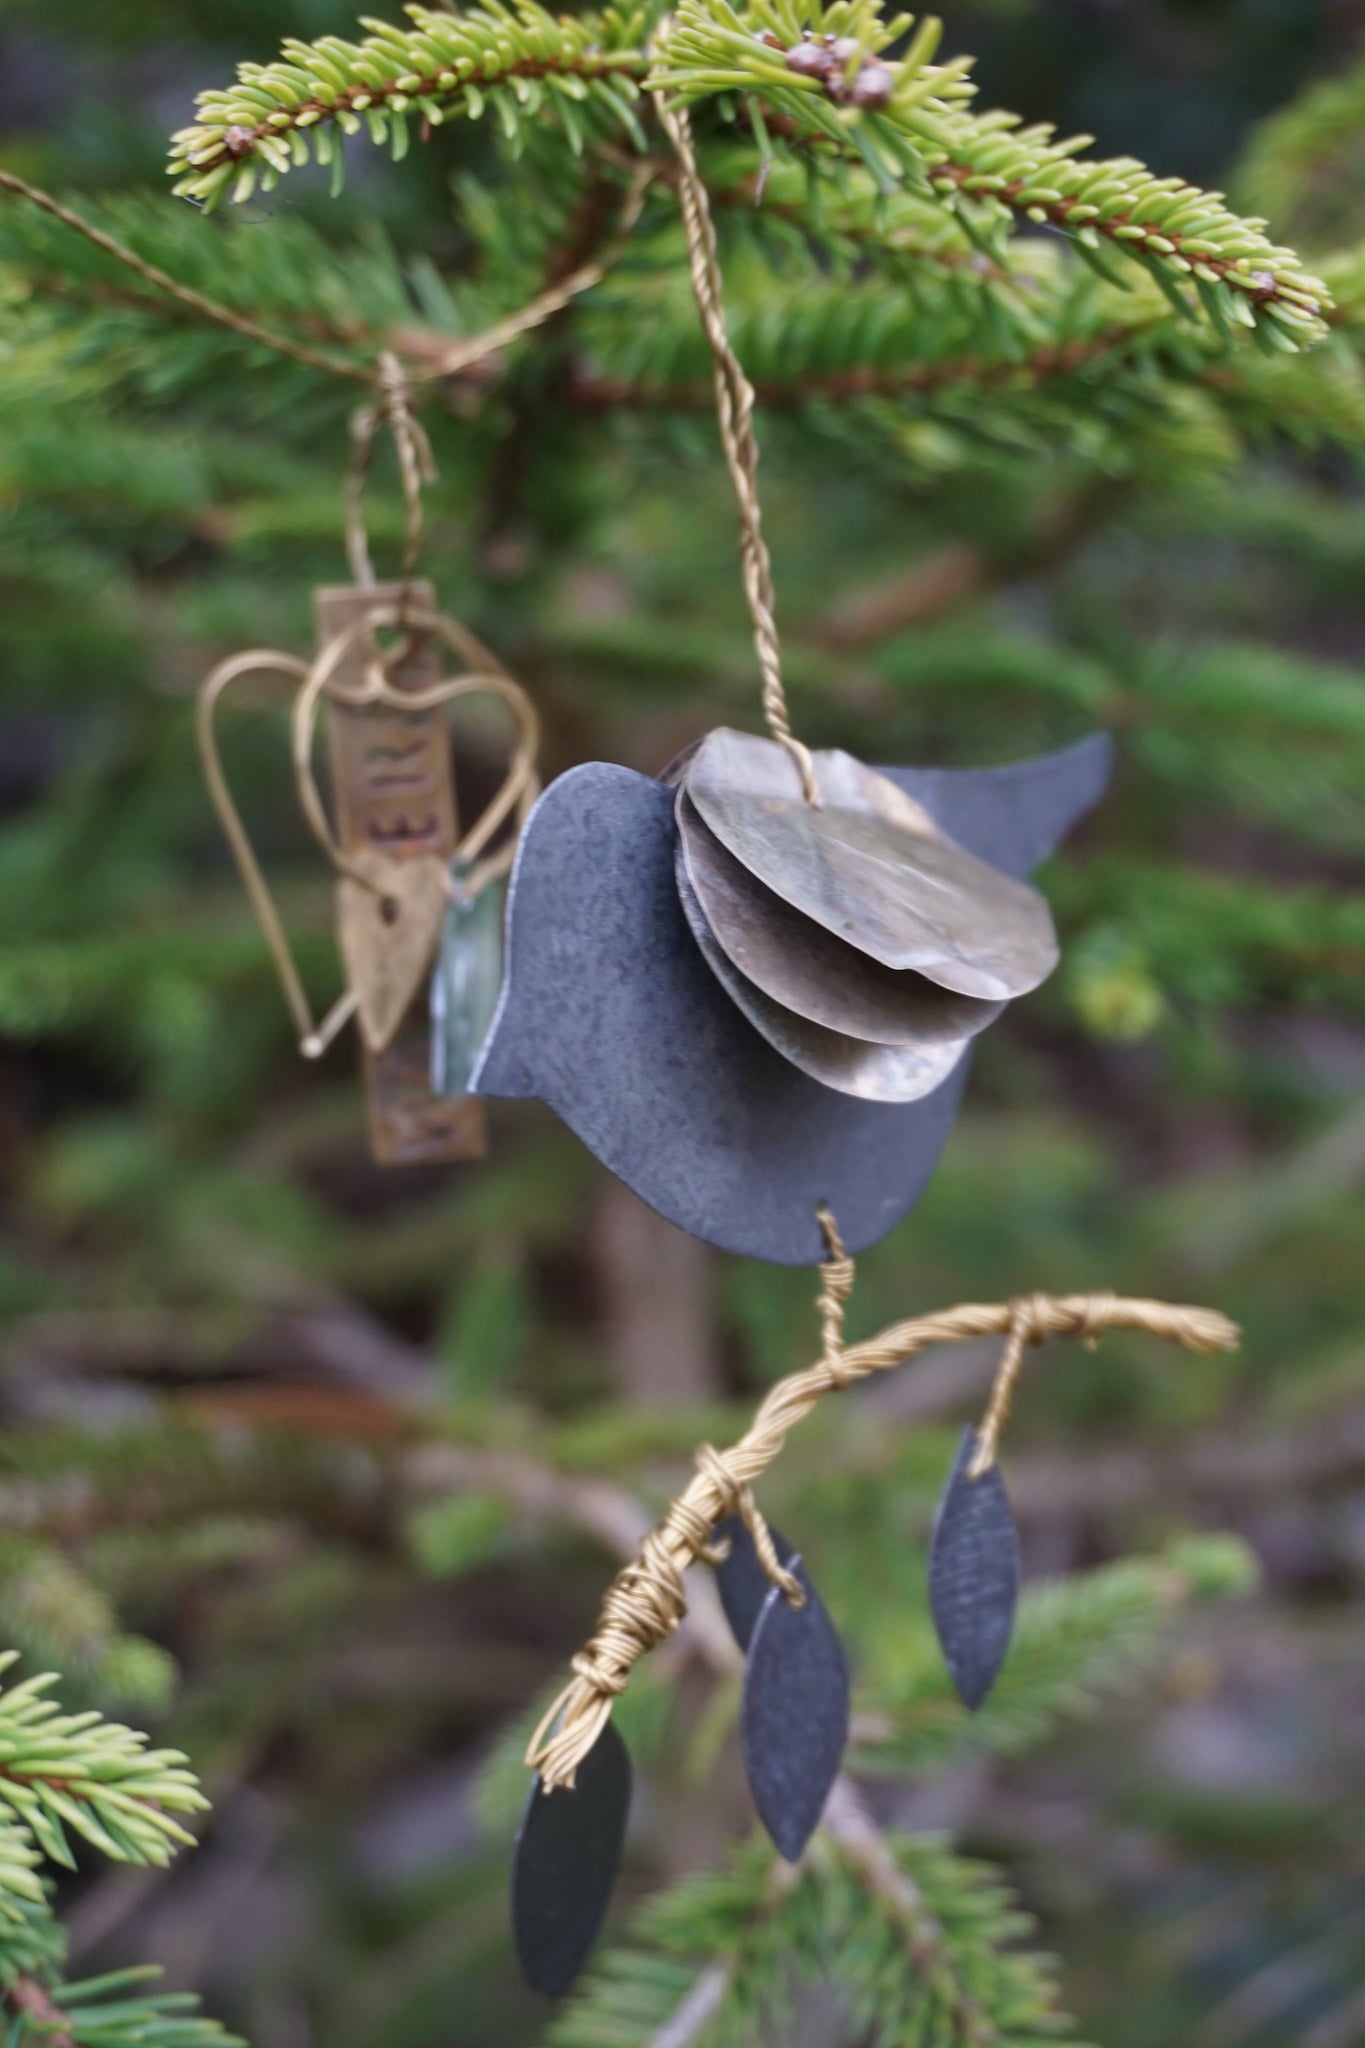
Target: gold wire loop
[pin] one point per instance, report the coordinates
(735, 410)
(738, 1499)
(313, 1038)
(391, 407)
(646, 1601)
(520, 786)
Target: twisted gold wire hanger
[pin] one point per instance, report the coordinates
(735, 411)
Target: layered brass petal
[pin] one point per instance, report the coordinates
(852, 1066)
(804, 967)
(868, 864)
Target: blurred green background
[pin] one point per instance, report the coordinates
(274, 1418)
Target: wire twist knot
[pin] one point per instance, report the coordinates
(837, 1275)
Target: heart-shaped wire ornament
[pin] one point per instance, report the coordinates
(391, 907)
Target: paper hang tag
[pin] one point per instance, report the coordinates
(393, 795)
(974, 1575)
(565, 1863)
(794, 1720)
(388, 927)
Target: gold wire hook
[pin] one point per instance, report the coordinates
(391, 406)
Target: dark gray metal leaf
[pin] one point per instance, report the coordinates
(565, 1864)
(974, 1575)
(610, 1015)
(741, 1581)
(794, 1721)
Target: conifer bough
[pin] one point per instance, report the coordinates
(589, 77)
(66, 1777)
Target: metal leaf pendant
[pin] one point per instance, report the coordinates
(974, 1575)
(794, 1721)
(388, 934)
(564, 1868)
(741, 1581)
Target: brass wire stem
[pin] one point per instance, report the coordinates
(735, 410)
(646, 1600)
(416, 468)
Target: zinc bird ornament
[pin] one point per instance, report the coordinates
(733, 1113)
(752, 987)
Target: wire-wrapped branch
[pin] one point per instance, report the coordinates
(646, 1600)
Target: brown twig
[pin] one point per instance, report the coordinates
(455, 358)
(25, 1996)
(596, 391)
(185, 295)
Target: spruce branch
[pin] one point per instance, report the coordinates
(1201, 253)
(1215, 941)
(585, 75)
(76, 1774)
(51, 1611)
(1078, 1641)
(922, 1944)
(113, 2011)
(520, 62)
